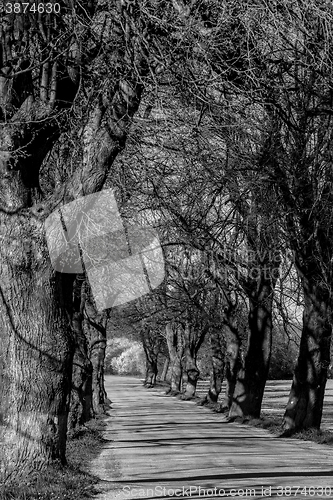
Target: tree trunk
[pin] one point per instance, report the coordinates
(175, 354)
(38, 342)
(81, 407)
(176, 374)
(151, 369)
(251, 379)
(151, 342)
(232, 367)
(232, 363)
(190, 362)
(151, 373)
(95, 326)
(165, 369)
(305, 404)
(218, 352)
(97, 357)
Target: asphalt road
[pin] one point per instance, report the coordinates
(160, 447)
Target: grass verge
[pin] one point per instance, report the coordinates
(274, 426)
(58, 482)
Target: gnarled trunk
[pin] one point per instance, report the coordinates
(35, 313)
(165, 369)
(192, 343)
(218, 352)
(175, 347)
(151, 370)
(37, 340)
(151, 341)
(305, 404)
(192, 372)
(233, 360)
(94, 327)
(95, 330)
(81, 407)
(233, 364)
(97, 357)
(252, 377)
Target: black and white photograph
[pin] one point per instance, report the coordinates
(166, 249)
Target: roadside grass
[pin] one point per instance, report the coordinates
(58, 482)
(271, 424)
(274, 425)
(318, 436)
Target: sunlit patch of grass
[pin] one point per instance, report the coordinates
(58, 482)
(272, 424)
(315, 435)
(275, 426)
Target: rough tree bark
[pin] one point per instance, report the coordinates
(36, 338)
(176, 349)
(151, 370)
(192, 343)
(252, 377)
(232, 364)
(218, 353)
(165, 370)
(305, 404)
(151, 341)
(81, 406)
(95, 330)
(39, 349)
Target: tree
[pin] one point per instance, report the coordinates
(45, 63)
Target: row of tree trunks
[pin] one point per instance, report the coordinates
(183, 342)
(152, 369)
